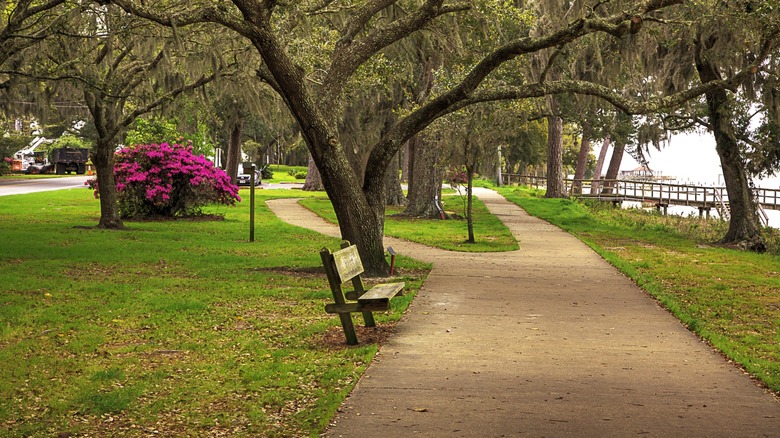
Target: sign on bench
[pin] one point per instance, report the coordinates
(344, 266)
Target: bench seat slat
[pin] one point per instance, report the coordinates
(381, 292)
(373, 306)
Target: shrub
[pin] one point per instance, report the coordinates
(456, 176)
(70, 141)
(168, 180)
(5, 165)
(266, 172)
(301, 174)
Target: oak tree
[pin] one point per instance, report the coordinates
(352, 34)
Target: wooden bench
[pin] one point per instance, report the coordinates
(345, 265)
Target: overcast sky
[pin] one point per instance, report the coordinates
(690, 158)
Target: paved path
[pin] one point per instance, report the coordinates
(24, 186)
(546, 341)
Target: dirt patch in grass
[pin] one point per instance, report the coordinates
(319, 271)
(334, 339)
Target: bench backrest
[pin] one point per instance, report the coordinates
(346, 263)
(342, 266)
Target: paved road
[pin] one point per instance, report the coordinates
(22, 186)
(547, 341)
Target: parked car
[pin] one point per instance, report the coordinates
(244, 179)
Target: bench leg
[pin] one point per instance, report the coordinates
(368, 318)
(349, 328)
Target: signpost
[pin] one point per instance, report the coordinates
(250, 169)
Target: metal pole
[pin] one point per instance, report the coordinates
(252, 204)
(392, 259)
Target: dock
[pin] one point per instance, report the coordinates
(659, 194)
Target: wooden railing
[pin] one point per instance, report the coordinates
(650, 191)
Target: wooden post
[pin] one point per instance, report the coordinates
(338, 296)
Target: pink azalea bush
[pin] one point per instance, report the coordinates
(168, 180)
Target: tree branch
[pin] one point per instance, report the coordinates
(351, 54)
(461, 95)
(212, 14)
(360, 17)
(130, 118)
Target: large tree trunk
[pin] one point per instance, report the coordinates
(424, 179)
(395, 194)
(234, 149)
(405, 163)
(555, 186)
(744, 227)
(614, 167)
(103, 159)
(313, 181)
(499, 163)
(104, 116)
(582, 160)
(470, 203)
(594, 189)
(361, 214)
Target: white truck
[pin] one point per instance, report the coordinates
(32, 161)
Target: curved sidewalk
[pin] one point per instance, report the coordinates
(548, 341)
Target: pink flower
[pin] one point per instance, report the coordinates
(160, 179)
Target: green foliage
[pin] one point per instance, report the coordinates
(174, 327)
(70, 141)
(728, 297)
(9, 144)
(153, 131)
(297, 173)
(266, 172)
(157, 130)
(526, 146)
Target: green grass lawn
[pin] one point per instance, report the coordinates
(490, 234)
(184, 328)
(730, 298)
(181, 328)
(282, 174)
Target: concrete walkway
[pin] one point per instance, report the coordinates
(546, 341)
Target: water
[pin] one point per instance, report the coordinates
(692, 159)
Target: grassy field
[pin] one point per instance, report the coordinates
(282, 174)
(177, 328)
(730, 298)
(490, 234)
(184, 328)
